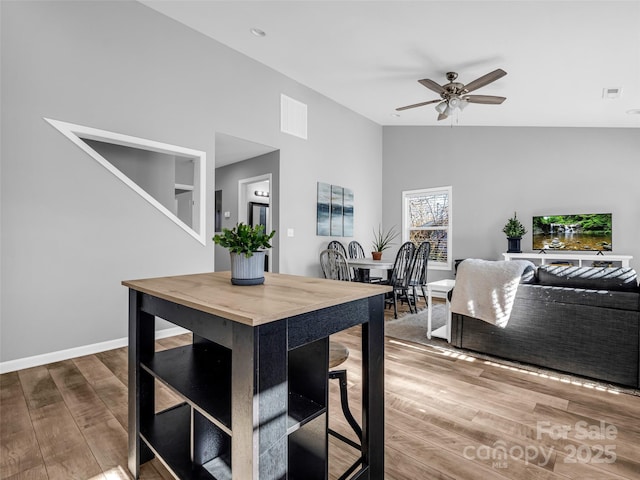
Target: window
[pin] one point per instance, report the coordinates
(426, 215)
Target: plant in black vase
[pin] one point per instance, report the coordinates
(514, 230)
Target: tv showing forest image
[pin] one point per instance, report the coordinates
(583, 232)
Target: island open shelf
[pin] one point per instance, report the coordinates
(168, 435)
(201, 374)
(254, 380)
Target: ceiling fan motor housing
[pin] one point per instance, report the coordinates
(452, 89)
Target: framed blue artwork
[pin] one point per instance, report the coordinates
(324, 210)
(334, 211)
(347, 212)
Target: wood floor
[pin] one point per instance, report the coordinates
(447, 417)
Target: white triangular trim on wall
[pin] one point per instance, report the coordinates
(76, 133)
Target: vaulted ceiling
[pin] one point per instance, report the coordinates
(560, 56)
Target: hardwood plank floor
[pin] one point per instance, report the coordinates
(447, 417)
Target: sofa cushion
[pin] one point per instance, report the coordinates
(547, 296)
(622, 279)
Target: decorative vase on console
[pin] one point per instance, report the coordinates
(514, 230)
(246, 246)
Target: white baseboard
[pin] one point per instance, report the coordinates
(37, 360)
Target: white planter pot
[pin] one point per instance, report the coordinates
(247, 271)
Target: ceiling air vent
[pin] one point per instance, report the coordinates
(611, 93)
(293, 117)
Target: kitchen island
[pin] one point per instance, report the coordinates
(254, 379)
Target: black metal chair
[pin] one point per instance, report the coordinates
(334, 266)
(418, 277)
(356, 251)
(400, 276)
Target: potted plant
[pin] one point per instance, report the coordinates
(514, 230)
(245, 245)
(382, 240)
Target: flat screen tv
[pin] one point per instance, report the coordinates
(583, 232)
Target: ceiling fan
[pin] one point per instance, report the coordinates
(453, 95)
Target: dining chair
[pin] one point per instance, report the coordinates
(356, 251)
(418, 277)
(399, 280)
(336, 245)
(335, 267)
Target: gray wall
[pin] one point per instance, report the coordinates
(154, 172)
(534, 171)
(227, 178)
(71, 231)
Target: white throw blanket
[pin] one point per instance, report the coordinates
(487, 289)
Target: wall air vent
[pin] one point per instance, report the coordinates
(293, 117)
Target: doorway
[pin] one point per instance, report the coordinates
(247, 179)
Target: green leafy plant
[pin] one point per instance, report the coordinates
(244, 239)
(513, 228)
(383, 240)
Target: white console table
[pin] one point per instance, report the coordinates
(568, 256)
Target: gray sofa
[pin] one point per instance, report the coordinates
(579, 320)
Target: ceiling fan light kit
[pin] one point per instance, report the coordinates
(453, 95)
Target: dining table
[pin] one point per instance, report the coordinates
(365, 265)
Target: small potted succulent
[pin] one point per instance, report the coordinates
(246, 246)
(382, 240)
(514, 230)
